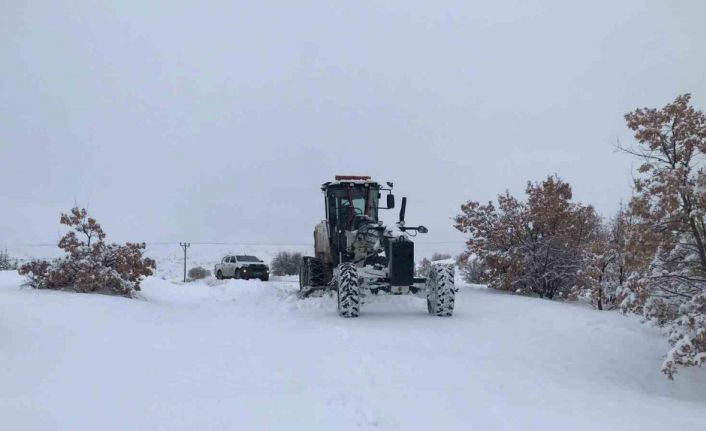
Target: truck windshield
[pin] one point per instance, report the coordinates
(353, 201)
(248, 259)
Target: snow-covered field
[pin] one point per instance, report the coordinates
(247, 355)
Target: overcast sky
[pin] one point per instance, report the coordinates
(219, 120)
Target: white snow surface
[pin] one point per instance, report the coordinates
(248, 355)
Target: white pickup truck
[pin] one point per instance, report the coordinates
(242, 266)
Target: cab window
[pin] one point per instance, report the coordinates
(345, 204)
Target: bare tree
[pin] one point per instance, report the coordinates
(286, 263)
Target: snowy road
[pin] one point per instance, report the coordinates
(239, 355)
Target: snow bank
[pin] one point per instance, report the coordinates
(248, 355)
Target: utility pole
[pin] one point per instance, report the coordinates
(185, 245)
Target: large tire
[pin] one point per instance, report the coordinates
(219, 275)
(348, 290)
(441, 292)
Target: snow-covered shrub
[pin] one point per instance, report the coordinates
(471, 268)
(90, 265)
(687, 336)
(424, 266)
(286, 263)
(669, 206)
(534, 247)
(198, 273)
(422, 270)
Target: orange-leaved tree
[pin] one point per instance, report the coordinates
(669, 206)
(90, 264)
(536, 246)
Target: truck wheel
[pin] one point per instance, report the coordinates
(348, 290)
(441, 292)
(219, 275)
(236, 274)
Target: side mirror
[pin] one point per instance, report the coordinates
(390, 201)
(422, 229)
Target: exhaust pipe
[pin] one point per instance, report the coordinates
(403, 207)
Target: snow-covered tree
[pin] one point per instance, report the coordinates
(597, 277)
(90, 264)
(609, 259)
(669, 207)
(531, 247)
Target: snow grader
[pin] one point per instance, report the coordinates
(355, 255)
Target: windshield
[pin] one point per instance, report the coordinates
(349, 202)
(248, 259)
